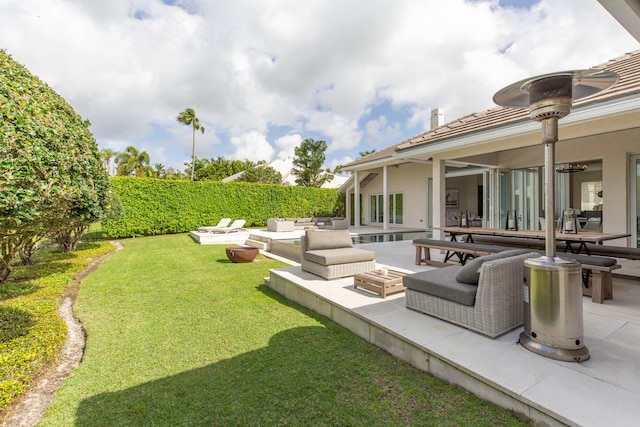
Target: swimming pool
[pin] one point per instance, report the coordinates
(390, 237)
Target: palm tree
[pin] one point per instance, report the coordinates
(133, 161)
(188, 117)
(107, 154)
(159, 170)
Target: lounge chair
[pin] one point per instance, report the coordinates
(224, 222)
(237, 225)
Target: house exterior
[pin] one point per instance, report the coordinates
(491, 162)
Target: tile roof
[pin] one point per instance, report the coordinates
(626, 66)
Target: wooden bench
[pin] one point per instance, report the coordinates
(600, 270)
(595, 269)
(462, 250)
(614, 251)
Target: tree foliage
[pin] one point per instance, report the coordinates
(218, 169)
(52, 174)
(133, 162)
(366, 152)
(308, 161)
(261, 174)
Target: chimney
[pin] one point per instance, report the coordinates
(437, 118)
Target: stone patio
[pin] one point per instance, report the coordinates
(605, 390)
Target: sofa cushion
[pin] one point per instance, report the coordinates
(442, 283)
(470, 272)
(333, 239)
(339, 256)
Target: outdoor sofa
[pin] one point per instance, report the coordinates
(330, 254)
(322, 223)
(279, 225)
(484, 295)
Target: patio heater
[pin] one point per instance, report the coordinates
(553, 320)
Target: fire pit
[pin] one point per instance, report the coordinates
(242, 253)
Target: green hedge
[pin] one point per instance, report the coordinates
(160, 206)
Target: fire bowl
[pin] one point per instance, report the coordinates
(242, 253)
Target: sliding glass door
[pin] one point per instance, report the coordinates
(525, 197)
(634, 206)
(396, 207)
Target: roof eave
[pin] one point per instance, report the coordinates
(579, 114)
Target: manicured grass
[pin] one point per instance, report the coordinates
(178, 335)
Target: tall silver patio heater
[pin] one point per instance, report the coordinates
(553, 321)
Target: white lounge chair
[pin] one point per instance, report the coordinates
(224, 222)
(237, 225)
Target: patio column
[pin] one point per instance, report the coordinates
(347, 205)
(356, 200)
(439, 197)
(385, 197)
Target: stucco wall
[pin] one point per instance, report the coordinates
(410, 180)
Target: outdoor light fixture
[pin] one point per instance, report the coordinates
(553, 290)
(571, 167)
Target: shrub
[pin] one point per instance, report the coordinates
(52, 175)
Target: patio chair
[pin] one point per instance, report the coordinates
(237, 225)
(224, 222)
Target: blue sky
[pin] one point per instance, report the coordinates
(263, 75)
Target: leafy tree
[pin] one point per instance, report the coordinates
(174, 174)
(188, 117)
(52, 174)
(261, 174)
(133, 162)
(218, 169)
(159, 170)
(308, 161)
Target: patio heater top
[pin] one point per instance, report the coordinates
(552, 94)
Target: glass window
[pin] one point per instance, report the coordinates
(591, 196)
(395, 208)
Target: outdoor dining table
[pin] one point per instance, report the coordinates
(580, 239)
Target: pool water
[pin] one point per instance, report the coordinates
(389, 237)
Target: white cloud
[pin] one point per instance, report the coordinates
(252, 146)
(380, 134)
(286, 146)
(313, 69)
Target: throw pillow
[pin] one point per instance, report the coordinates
(470, 272)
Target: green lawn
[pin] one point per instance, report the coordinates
(179, 336)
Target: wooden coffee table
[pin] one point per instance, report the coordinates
(375, 281)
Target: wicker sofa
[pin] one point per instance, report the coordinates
(330, 254)
(484, 295)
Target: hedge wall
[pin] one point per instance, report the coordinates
(160, 206)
